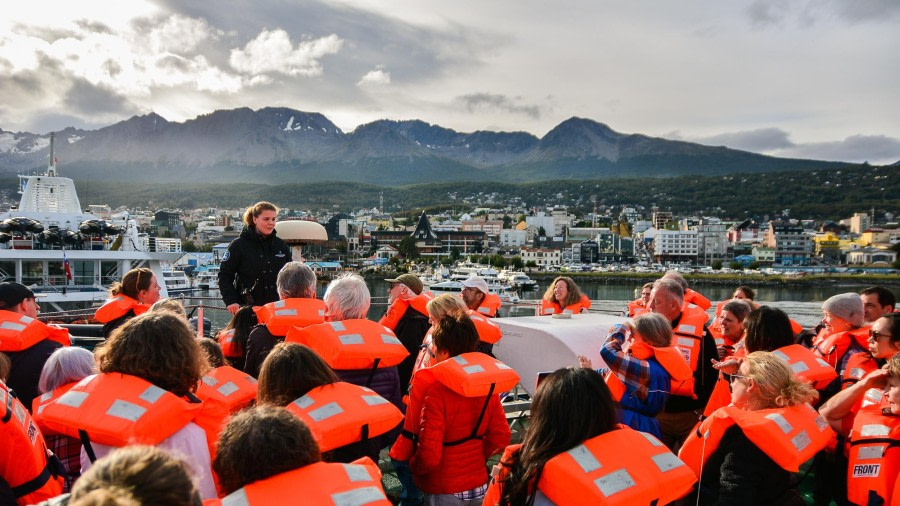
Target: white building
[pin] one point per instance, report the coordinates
(512, 238)
(541, 220)
(677, 245)
(542, 257)
(712, 240)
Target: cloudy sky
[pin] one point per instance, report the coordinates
(801, 78)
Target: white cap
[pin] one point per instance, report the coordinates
(476, 282)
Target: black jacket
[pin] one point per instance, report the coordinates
(252, 263)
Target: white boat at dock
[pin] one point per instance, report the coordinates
(49, 229)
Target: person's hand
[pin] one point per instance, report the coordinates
(729, 366)
(585, 362)
(233, 308)
(876, 379)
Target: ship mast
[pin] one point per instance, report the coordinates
(51, 167)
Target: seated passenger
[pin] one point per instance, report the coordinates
(564, 296)
(233, 338)
(268, 456)
(573, 421)
(138, 291)
(136, 475)
(642, 303)
(641, 356)
(746, 453)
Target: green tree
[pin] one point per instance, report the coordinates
(531, 264)
(454, 254)
(717, 265)
(408, 248)
(542, 232)
(736, 266)
(498, 261)
(517, 262)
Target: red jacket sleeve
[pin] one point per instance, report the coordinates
(431, 434)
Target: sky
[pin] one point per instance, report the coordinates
(794, 78)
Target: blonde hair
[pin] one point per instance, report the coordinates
(445, 304)
(654, 328)
(776, 381)
(893, 365)
(170, 305)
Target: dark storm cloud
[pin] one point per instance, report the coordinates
(763, 139)
(92, 100)
(480, 101)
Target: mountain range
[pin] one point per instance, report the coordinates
(281, 145)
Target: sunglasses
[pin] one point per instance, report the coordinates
(736, 376)
(874, 335)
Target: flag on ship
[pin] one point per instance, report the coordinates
(66, 266)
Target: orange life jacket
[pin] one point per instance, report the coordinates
(622, 466)
(488, 331)
(873, 473)
(696, 298)
(858, 365)
(806, 365)
(789, 436)
(118, 410)
(398, 308)
(634, 305)
(280, 316)
(795, 326)
(471, 374)
(227, 344)
(490, 304)
(550, 308)
(40, 402)
(689, 339)
(19, 332)
(25, 461)
(833, 347)
(118, 306)
(342, 413)
(319, 483)
(351, 344)
(720, 305)
(669, 357)
(235, 389)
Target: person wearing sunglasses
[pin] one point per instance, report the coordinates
(747, 452)
(873, 452)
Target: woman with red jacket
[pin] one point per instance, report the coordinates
(454, 434)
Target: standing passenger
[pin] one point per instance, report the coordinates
(251, 265)
(407, 316)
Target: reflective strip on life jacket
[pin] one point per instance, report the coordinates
(235, 389)
(634, 306)
(550, 308)
(227, 344)
(474, 374)
(352, 344)
(697, 299)
(319, 483)
(19, 332)
(622, 466)
(806, 365)
(789, 436)
(689, 340)
(342, 413)
(118, 410)
(833, 347)
(874, 458)
(118, 306)
(280, 316)
(490, 304)
(23, 454)
(488, 331)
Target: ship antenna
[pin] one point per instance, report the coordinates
(51, 167)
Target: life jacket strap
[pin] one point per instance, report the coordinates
(372, 372)
(33, 484)
(474, 434)
(86, 443)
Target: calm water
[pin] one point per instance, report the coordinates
(804, 304)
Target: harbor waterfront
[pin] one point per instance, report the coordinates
(802, 302)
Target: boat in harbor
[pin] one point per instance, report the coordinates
(177, 281)
(518, 280)
(68, 256)
(208, 278)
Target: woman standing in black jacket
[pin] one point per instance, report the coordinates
(251, 264)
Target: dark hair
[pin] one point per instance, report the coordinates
(5, 366)
(157, 347)
(212, 351)
(242, 322)
(570, 406)
(573, 295)
(289, 372)
(893, 326)
(136, 475)
(767, 329)
(455, 334)
(885, 296)
(255, 210)
(133, 282)
(739, 308)
(748, 292)
(260, 442)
